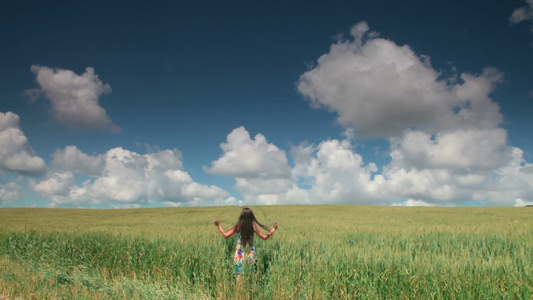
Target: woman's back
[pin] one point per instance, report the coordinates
(249, 243)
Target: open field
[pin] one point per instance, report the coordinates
(319, 252)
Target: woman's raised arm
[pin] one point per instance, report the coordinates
(224, 233)
(266, 236)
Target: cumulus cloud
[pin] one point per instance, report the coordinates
(380, 88)
(513, 182)
(485, 171)
(72, 159)
(521, 14)
(446, 143)
(412, 202)
(446, 169)
(333, 173)
(123, 178)
(61, 188)
(16, 155)
(328, 173)
(260, 168)
(520, 202)
(457, 150)
(74, 98)
(10, 192)
(55, 184)
(250, 158)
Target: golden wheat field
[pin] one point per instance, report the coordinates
(319, 252)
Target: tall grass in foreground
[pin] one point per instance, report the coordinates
(320, 252)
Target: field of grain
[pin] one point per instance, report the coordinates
(319, 252)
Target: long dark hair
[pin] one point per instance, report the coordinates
(245, 226)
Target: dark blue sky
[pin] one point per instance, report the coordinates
(185, 74)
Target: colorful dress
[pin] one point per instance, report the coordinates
(242, 256)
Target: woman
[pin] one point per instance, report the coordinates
(245, 228)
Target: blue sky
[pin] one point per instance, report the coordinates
(129, 104)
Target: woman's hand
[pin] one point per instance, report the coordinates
(217, 223)
(272, 231)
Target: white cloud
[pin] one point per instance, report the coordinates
(124, 178)
(412, 202)
(56, 183)
(10, 192)
(380, 88)
(328, 173)
(250, 158)
(508, 180)
(512, 182)
(467, 150)
(15, 153)
(72, 159)
(333, 173)
(446, 146)
(452, 168)
(524, 13)
(74, 98)
(61, 188)
(260, 168)
(520, 202)
(435, 186)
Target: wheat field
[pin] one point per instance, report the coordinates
(319, 252)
